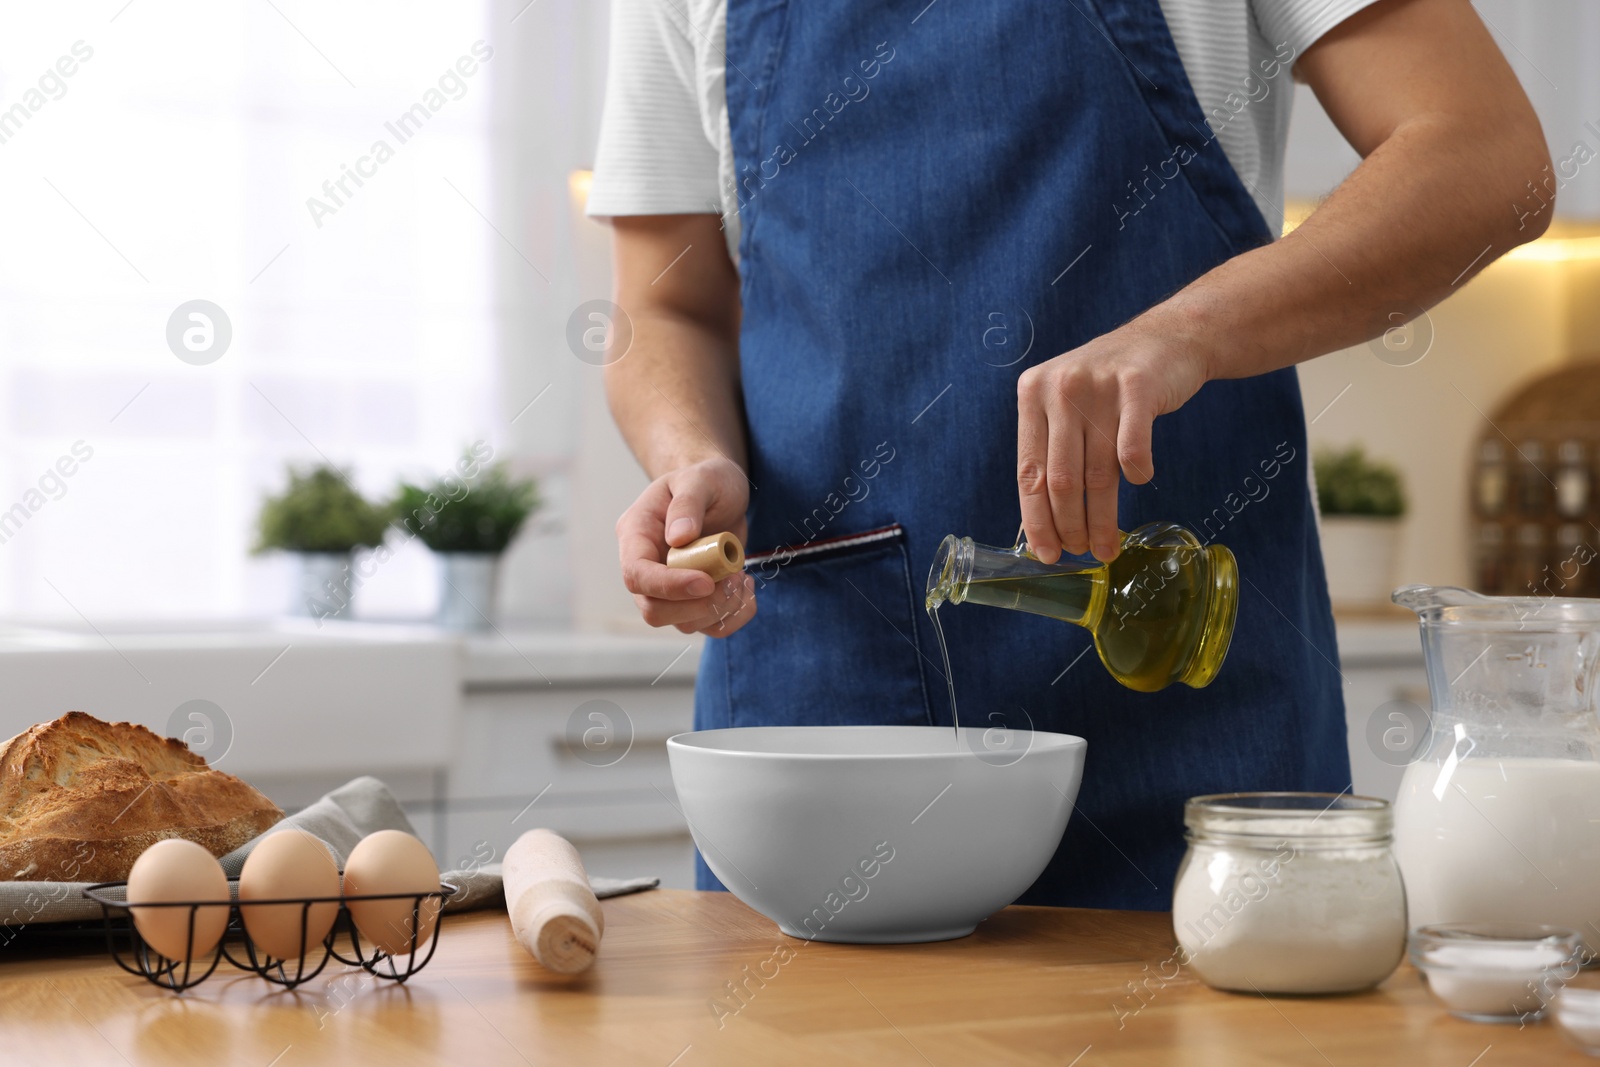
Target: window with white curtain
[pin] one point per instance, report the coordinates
(319, 172)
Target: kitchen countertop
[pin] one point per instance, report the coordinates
(246, 694)
(1033, 986)
(509, 654)
(518, 657)
(1378, 639)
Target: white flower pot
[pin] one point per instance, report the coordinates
(467, 584)
(1359, 553)
(325, 585)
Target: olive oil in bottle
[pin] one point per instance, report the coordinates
(1161, 612)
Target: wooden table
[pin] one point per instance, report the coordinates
(1033, 985)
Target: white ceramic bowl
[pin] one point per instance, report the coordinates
(876, 834)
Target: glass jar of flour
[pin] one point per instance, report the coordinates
(1289, 893)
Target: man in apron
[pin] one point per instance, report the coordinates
(889, 271)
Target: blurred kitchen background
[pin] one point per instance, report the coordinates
(156, 154)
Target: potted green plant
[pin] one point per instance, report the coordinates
(1362, 501)
(320, 518)
(468, 518)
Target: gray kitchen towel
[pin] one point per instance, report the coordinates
(341, 818)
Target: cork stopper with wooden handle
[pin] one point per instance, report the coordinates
(554, 913)
(718, 555)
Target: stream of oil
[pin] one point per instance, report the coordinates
(944, 654)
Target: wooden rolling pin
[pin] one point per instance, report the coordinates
(554, 913)
(718, 555)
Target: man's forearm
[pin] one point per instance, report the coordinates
(674, 389)
(1397, 237)
(673, 383)
(675, 395)
(1434, 200)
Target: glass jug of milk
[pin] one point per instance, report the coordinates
(1499, 816)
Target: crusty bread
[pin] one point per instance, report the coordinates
(80, 799)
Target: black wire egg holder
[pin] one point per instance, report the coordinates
(125, 942)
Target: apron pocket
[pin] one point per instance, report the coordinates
(834, 641)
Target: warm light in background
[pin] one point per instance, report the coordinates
(1564, 242)
(578, 183)
(1294, 213)
(1558, 249)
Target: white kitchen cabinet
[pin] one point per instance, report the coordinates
(520, 739)
(1381, 661)
(525, 749)
(484, 737)
(570, 733)
(470, 733)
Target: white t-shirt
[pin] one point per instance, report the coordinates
(665, 148)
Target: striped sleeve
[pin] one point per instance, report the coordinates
(1301, 23)
(653, 157)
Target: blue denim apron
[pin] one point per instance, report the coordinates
(933, 199)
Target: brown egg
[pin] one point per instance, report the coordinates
(289, 864)
(175, 869)
(391, 861)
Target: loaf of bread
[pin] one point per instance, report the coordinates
(81, 798)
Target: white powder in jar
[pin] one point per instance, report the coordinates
(1282, 919)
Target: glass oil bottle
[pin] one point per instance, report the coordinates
(1161, 612)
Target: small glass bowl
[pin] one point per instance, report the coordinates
(1577, 1012)
(1495, 972)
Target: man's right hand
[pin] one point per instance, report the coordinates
(681, 505)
